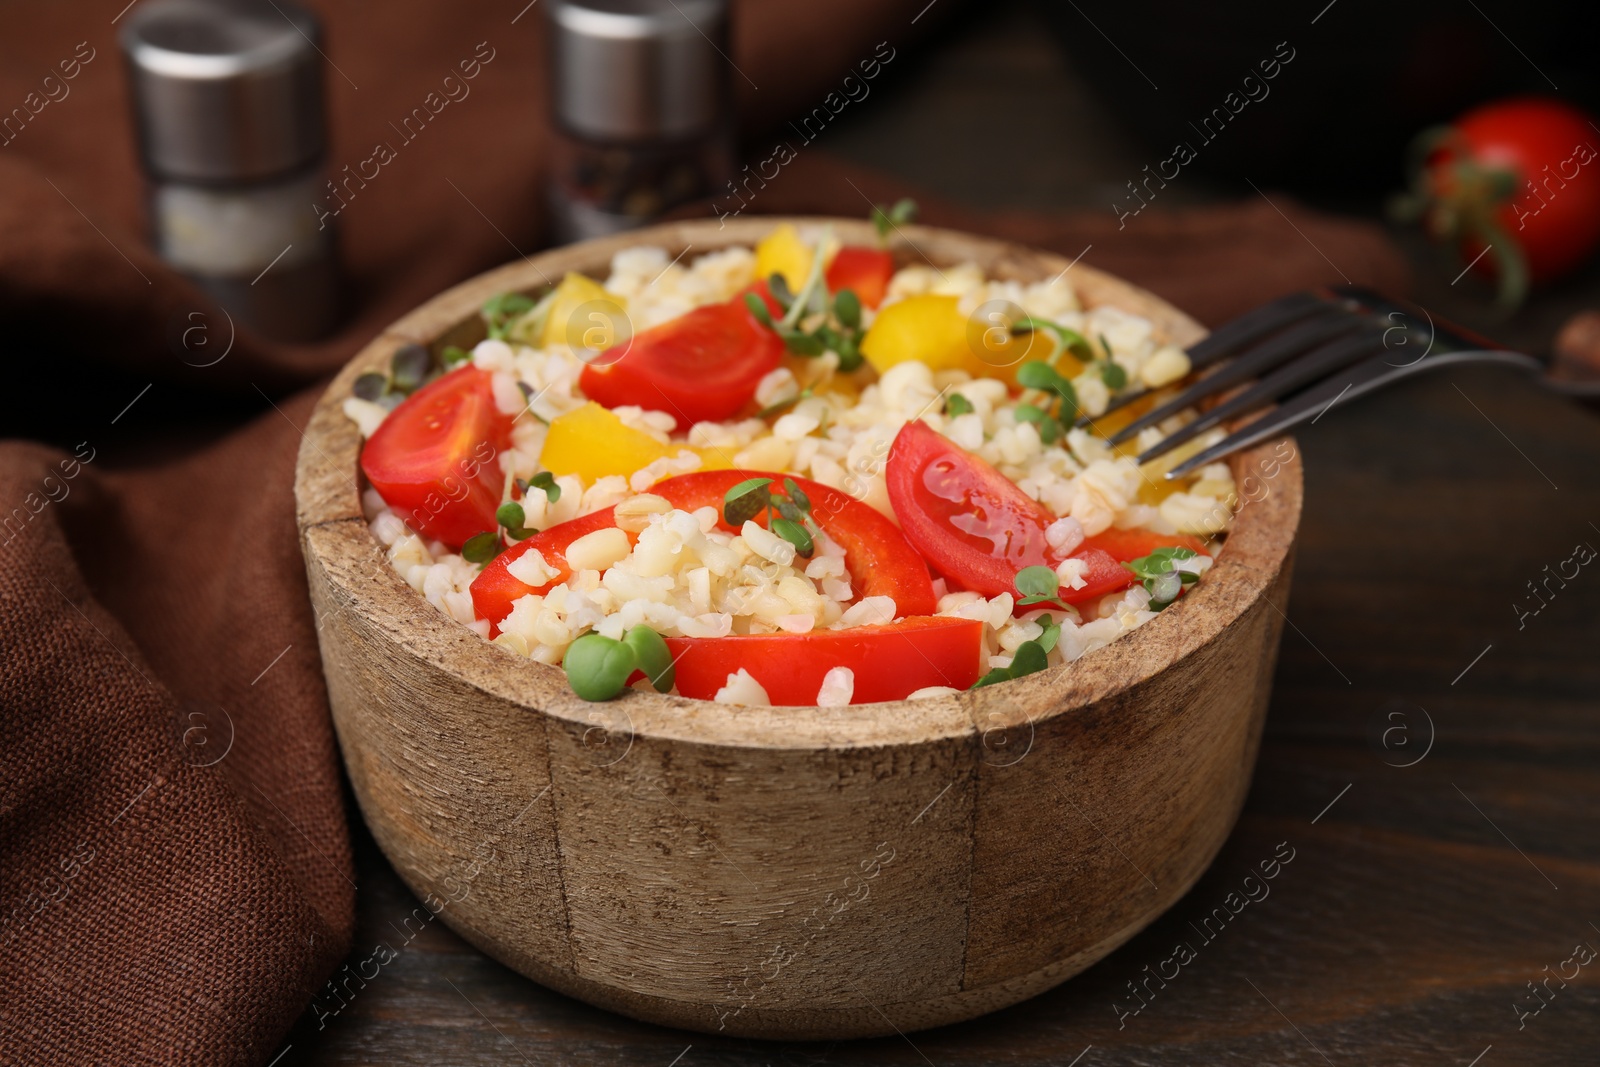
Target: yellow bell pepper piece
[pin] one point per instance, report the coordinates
(930, 330)
(783, 252)
(592, 442)
(568, 321)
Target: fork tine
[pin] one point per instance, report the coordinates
(1231, 337)
(1365, 377)
(1318, 363)
(1252, 326)
(1327, 325)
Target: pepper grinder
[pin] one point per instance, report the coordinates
(228, 99)
(641, 108)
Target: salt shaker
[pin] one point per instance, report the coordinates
(641, 109)
(228, 99)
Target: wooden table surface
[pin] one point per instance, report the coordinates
(1431, 758)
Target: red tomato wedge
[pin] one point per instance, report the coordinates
(701, 366)
(970, 521)
(978, 529)
(890, 662)
(865, 271)
(433, 459)
(880, 560)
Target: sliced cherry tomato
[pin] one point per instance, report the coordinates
(433, 459)
(978, 529)
(890, 662)
(970, 521)
(880, 560)
(865, 271)
(701, 366)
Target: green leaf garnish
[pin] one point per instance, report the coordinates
(795, 534)
(511, 516)
(778, 286)
(904, 211)
(502, 310)
(797, 495)
(1029, 658)
(804, 344)
(598, 667)
(1036, 584)
(408, 366)
(1065, 340)
(453, 356)
(847, 308)
(758, 308)
(849, 353)
(483, 547)
(1155, 574)
(1052, 633)
(370, 386)
(956, 404)
(998, 674)
(546, 481)
(1048, 428)
(652, 656)
(1113, 374)
(745, 501)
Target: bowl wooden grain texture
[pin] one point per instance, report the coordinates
(791, 872)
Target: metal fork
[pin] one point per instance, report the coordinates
(1306, 352)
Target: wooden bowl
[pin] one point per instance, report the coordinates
(791, 872)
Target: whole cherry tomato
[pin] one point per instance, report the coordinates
(1515, 185)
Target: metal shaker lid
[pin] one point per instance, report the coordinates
(633, 69)
(225, 90)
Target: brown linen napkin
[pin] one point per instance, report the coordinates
(176, 878)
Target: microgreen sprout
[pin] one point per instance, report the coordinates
(1060, 395)
(511, 516)
(745, 501)
(1160, 578)
(598, 667)
(956, 404)
(653, 656)
(1029, 658)
(483, 547)
(839, 330)
(410, 368)
(788, 516)
(795, 534)
(546, 481)
(501, 311)
(1111, 372)
(453, 356)
(1065, 340)
(903, 212)
(1035, 585)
